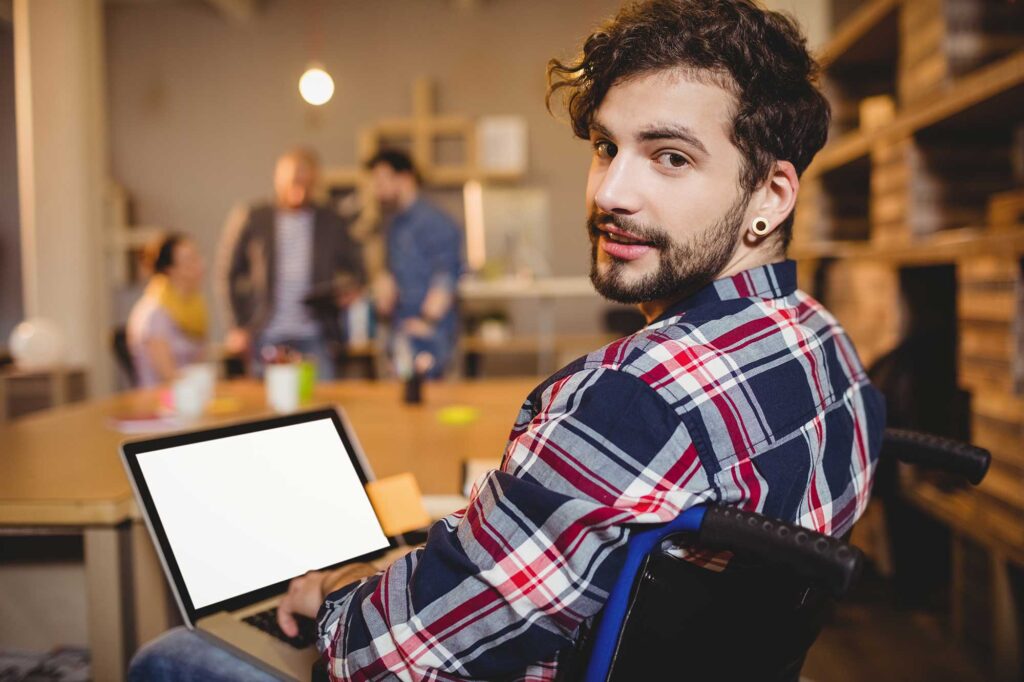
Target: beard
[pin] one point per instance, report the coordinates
(683, 267)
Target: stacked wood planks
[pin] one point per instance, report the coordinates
(928, 149)
(988, 308)
(864, 297)
(892, 169)
(944, 39)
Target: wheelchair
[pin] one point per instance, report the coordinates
(667, 618)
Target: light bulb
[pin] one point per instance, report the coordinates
(316, 86)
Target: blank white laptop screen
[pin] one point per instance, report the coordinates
(248, 511)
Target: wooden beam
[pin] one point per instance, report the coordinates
(970, 91)
(947, 246)
(856, 27)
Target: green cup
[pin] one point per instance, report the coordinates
(307, 378)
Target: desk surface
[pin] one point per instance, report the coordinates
(62, 467)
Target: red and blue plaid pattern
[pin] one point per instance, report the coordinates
(747, 393)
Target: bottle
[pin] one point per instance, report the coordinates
(406, 370)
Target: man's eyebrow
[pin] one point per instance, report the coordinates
(601, 131)
(671, 132)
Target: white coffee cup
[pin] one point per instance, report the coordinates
(282, 385)
(204, 375)
(189, 397)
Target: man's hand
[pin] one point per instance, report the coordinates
(418, 327)
(385, 293)
(237, 341)
(306, 593)
(347, 297)
(347, 291)
(304, 597)
(437, 302)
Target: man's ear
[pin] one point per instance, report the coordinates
(777, 196)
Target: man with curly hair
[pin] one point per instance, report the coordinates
(742, 389)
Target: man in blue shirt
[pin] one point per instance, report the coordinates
(423, 262)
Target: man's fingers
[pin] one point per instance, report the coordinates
(285, 619)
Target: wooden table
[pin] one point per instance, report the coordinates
(61, 469)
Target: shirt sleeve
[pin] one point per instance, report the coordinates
(505, 584)
(157, 324)
(231, 263)
(443, 250)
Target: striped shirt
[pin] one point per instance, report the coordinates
(293, 276)
(748, 393)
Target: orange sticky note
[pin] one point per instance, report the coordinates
(398, 503)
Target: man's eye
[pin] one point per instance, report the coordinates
(672, 160)
(605, 149)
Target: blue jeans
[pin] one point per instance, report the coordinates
(314, 347)
(180, 655)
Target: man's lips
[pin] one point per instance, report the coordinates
(620, 244)
(620, 234)
(624, 251)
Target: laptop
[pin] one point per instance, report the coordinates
(236, 512)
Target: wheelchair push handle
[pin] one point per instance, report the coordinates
(820, 559)
(936, 452)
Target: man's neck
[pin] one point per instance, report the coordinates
(743, 259)
(407, 199)
(281, 208)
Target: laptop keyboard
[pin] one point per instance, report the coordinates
(267, 622)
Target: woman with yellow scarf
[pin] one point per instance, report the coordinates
(167, 326)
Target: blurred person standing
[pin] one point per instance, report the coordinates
(285, 270)
(423, 266)
(167, 326)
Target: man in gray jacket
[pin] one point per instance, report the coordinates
(285, 270)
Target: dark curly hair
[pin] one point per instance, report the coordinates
(397, 160)
(759, 56)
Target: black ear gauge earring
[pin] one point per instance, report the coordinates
(761, 227)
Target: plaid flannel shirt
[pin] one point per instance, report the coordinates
(747, 393)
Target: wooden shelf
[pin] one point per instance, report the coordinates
(873, 24)
(960, 510)
(988, 85)
(509, 288)
(840, 152)
(945, 247)
(996, 85)
(928, 101)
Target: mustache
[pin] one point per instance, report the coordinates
(647, 233)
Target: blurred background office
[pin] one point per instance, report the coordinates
(124, 121)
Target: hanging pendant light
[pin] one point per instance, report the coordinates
(316, 86)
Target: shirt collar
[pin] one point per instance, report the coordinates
(304, 214)
(774, 280)
(410, 210)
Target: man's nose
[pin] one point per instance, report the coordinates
(619, 190)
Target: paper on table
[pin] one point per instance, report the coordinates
(145, 424)
(398, 503)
